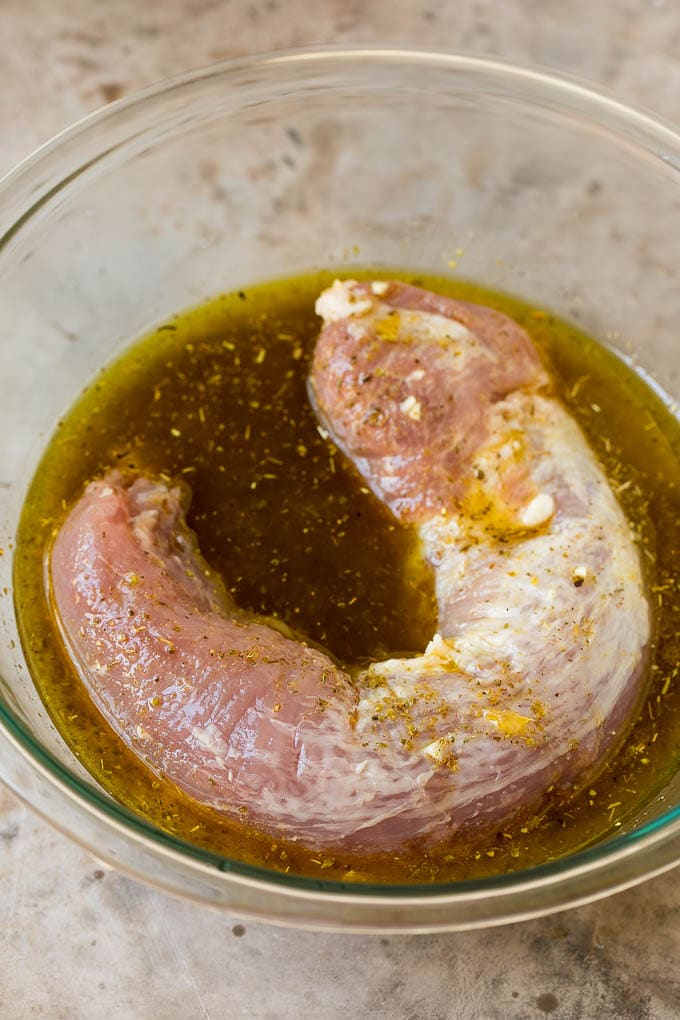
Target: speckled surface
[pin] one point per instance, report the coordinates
(78, 940)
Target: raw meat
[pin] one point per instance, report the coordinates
(541, 649)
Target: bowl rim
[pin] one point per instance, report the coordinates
(614, 864)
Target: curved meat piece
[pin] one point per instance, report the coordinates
(543, 623)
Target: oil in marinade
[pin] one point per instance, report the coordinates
(217, 397)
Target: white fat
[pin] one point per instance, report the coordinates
(355, 329)
(342, 301)
(429, 326)
(144, 526)
(485, 644)
(390, 484)
(416, 375)
(210, 739)
(538, 511)
(438, 534)
(438, 648)
(400, 691)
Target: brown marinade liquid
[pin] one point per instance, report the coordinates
(217, 397)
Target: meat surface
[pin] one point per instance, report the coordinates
(541, 648)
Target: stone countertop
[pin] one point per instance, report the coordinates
(81, 941)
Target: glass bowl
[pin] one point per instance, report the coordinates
(270, 166)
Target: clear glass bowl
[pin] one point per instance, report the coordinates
(273, 165)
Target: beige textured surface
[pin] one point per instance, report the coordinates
(78, 940)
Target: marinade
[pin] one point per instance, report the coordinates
(217, 397)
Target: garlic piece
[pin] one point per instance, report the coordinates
(538, 511)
